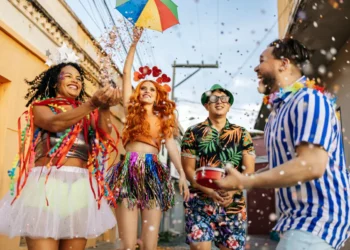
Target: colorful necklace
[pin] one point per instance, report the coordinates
(102, 145)
(303, 82)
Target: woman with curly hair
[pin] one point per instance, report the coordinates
(58, 201)
(141, 181)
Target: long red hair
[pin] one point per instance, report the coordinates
(136, 120)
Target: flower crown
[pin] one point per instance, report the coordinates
(62, 55)
(154, 74)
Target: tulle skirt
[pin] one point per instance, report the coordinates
(143, 180)
(63, 208)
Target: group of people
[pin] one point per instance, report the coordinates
(63, 192)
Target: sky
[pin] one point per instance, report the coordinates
(231, 32)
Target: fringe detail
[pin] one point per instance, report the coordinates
(143, 180)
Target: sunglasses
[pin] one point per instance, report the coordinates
(214, 99)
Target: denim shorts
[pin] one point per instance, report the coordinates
(302, 240)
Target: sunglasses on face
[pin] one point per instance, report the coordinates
(214, 99)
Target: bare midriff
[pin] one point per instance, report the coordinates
(141, 147)
(72, 162)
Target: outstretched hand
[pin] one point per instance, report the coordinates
(106, 97)
(233, 180)
(137, 33)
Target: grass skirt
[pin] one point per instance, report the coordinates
(143, 180)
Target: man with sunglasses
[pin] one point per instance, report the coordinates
(215, 215)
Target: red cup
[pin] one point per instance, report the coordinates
(206, 176)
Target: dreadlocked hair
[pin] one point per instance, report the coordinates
(136, 120)
(44, 85)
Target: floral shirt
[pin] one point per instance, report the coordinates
(216, 149)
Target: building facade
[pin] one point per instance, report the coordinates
(27, 30)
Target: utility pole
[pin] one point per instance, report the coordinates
(188, 65)
(166, 218)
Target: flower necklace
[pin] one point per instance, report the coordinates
(303, 82)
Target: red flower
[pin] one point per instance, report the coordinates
(222, 223)
(209, 209)
(145, 70)
(212, 225)
(167, 88)
(266, 99)
(156, 72)
(232, 243)
(165, 78)
(138, 76)
(319, 88)
(196, 233)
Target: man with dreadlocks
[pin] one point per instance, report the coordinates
(58, 201)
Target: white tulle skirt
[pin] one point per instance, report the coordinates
(72, 211)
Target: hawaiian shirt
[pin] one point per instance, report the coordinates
(216, 149)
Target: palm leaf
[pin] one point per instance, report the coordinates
(234, 156)
(231, 135)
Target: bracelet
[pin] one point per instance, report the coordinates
(92, 105)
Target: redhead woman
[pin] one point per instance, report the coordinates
(141, 181)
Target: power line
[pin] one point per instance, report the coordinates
(90, 16)
(138, 55)
(99, 14)
(260, 42)
(111, 17)
(131, 38)
(128, 31)
(93, 13)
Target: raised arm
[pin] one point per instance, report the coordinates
(45, 119)
(127, 87)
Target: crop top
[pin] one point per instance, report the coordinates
(80, 149)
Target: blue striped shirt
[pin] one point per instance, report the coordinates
(319, 206)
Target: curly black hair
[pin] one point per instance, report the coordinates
(44, 85)
(291, 49)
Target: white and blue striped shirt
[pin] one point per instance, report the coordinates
(319, 206)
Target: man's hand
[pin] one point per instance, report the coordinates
(233, 180)
(215, 196)
(227, 196)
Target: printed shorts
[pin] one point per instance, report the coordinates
(207, 221)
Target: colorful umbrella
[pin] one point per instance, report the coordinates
(152, 14)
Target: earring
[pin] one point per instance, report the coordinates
(47, 91)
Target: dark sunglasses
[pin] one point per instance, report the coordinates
(214, 99)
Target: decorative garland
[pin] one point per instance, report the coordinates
(155, 74)
(102, 145)
(301, 83)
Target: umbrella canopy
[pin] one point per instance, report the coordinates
(152, 14)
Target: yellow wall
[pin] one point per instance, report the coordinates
(22, 56)
(285, 10)
(16, 63)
